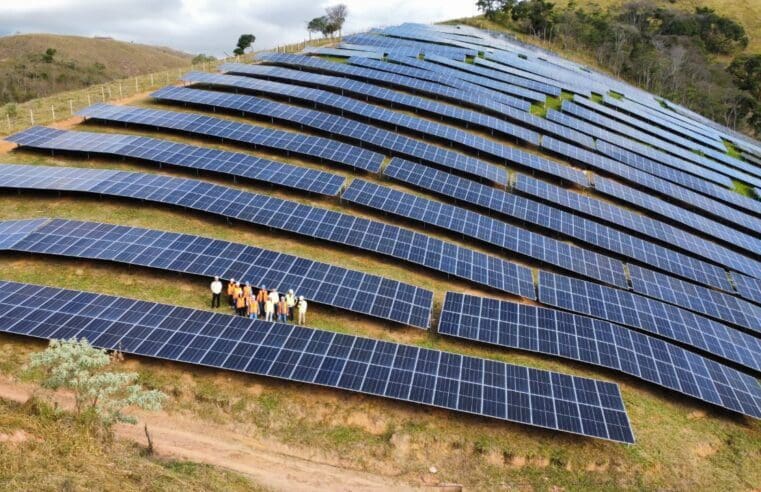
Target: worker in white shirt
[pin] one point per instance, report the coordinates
(216, 291)
(269, 309)
(290, 300)
(302, 309)
(274, 297)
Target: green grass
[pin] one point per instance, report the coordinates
(743, 189)
(597, 98)
(615, 95)
(732, 150)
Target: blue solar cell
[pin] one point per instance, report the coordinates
(182, 155)
(671, 322)
(377, 237)
(514, 239)
(203, 256)
(289, 143)
(346, 362)
(584, 339)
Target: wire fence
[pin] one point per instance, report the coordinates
(45, 110)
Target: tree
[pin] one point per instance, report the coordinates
(47, 57)
(491, 8)
(202, 58)
(318, 24)
(537, 16)
(244, 42)
(81, 368)
(336, 16)
(746, 74)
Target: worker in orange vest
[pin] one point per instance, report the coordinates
(261, 297)
(252, 306)
(230, 292)
(247, 290)
(282, 310)
(240, 301)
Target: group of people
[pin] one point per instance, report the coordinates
(267, 304)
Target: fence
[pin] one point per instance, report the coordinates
(45, 110)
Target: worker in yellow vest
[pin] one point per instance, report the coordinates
(261, 297)
(240, 303)
(247, 290)
(252, 307)
(290, 299)
(230, 292)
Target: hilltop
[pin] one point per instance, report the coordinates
(28, 70)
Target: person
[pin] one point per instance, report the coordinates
(282, 310)
(247, 290)
(261, 297)
(216, 291)
(290, 300)
(274, 297)
(269, 309)
(240, 303)
(302, 308)
(230, 292)
(252, 307)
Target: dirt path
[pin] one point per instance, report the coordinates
(271, 465)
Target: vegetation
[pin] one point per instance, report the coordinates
(77, 366)
(39, 65)
(331, 22)
(676, 54)
(244, 42)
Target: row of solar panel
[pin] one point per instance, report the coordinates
(182, 155)
(579, 338)
(402, 372)
(313, 222)
(332, 125)
(418, 104)
(319, 282)
(554, 219)
(646, 201)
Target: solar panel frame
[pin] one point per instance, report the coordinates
(583, 339)
(307, 355)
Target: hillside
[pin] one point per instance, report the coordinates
(27, 73)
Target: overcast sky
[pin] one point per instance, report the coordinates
(210, 26)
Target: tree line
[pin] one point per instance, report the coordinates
(680, 55)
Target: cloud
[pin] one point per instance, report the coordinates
(210, 26)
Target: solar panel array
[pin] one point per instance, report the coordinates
(584, 339)
(319, 282)
(312, 222)
(176, 154)
(638, 223)
(480, 227)
(653, 316)
(362, 133)
(309, 146)
(557, 220)
(441, 379)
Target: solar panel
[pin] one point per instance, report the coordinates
(661, 187)
(638, 223)
(364, 134)
(557, 221)
(313, 222)
(360, 108)
(163, 152)
(323, 149)
(319, 282)
(747, 287)
(13, 231)
(395, 98)
(552, 85)
(401, 372)
(670, 322)
(717, 305)
(583, 339)
(470, 224)
(419, 48)
(341, 53)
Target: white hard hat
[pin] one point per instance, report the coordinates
(301, 298)
(216, 277)
(290, 291)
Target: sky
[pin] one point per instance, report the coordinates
(211, 26)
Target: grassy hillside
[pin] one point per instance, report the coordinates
(26, 72)
(747, 12)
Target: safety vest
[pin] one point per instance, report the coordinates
(247, 291)
(290, 300)
(282, 307)
(238, 293)
(253, 306)
(230, 288)
(240, 302)
(262, 296)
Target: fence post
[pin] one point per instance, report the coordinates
(89, 100)
(137, 88)
(103, 93)
(71, 107)
(52, 111)
(110, 96)
(151, 79)
(31, 117)
(8, 119)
